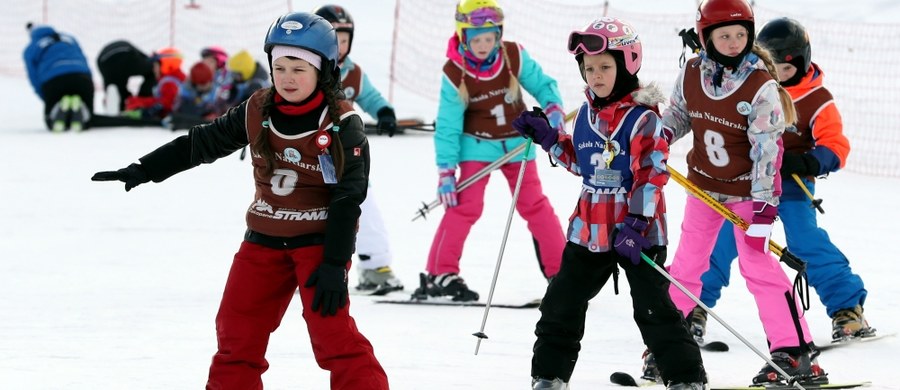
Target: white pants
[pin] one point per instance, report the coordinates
(372, 239)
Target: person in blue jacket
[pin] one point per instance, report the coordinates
(60, 75)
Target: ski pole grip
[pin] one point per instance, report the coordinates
(796, 263)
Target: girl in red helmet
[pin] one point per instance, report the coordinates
(618, 150)
(730, 99)
(816, 147)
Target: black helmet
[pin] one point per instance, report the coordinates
(339, 18)
(788, 42)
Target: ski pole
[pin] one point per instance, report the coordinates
(512, 208)
(420, 213)
(696, 300)
(784, 255)
(816, 203)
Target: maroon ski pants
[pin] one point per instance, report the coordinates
(260, 286)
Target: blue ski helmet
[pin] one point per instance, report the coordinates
(307, 31)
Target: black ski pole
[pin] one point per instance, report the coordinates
(420, 213)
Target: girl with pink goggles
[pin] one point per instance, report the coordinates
(608, 33)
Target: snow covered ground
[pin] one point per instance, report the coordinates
(103, 289)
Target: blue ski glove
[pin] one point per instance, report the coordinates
(629, 240)
(447, 186)
(331, 288)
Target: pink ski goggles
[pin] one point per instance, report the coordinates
(587, 43)
(481, 16)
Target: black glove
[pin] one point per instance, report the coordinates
(132, 175)
(387, 121)
(803, 164)
(331, 288)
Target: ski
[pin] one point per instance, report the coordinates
(379, 292)
(714, 346)
(402, 126)
(625, 379)
(847, 385)
(434, 302)
(852, 341)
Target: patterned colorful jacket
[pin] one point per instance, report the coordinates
(632, 130)
(765, 122)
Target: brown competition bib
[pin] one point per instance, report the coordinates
(490, 110)
(294, 200)
(808, 107)
(719, 159)
(352, 83)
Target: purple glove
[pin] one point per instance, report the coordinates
(630, 239)
(535, 125)
(760, 228)
(447, 185)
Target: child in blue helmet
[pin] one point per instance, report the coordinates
(311, 164)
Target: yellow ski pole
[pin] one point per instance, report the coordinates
(816, 203)
(783, 254)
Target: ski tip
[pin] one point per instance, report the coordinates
(622, 379)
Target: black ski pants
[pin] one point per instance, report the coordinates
(581, 276)
(119, 61)
(54, 89)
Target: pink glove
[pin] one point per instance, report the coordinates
(760, 228)
(447, 185)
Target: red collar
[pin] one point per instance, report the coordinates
(288, 108)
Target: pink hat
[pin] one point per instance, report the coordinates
(279, 51)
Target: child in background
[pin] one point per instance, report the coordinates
(247, 76)
(215, 58)
(730, 98)
(372, 244)
(480, 97)
(167, 70)
(60, 75)
(618, 149)
(117, 62)
(816, 147)
(311, 161)
(196, 101)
